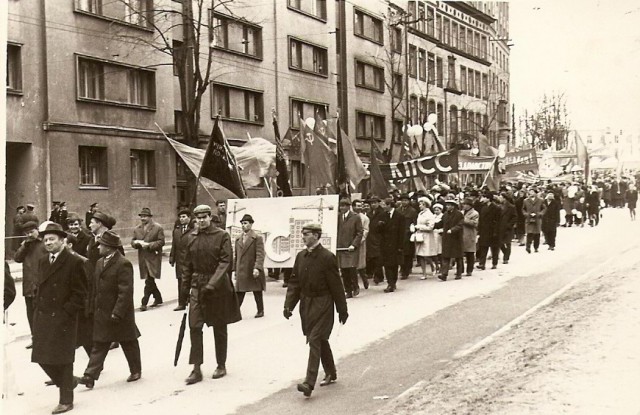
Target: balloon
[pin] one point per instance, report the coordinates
(427, 126)
(417, 130)
(475, 151)
(432, 118)
(311, 122)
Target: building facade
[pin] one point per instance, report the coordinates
(89, 81)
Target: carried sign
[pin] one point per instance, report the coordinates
(437, 163)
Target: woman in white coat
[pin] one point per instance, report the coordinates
(437, 230)
(425, 238)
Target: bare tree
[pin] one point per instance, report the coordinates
(549, 125)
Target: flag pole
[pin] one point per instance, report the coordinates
(493, 164)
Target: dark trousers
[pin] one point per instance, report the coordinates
(286, 274)
(391, 272)
(407, 265)
(550, 237)
(506, 250)
(62, 376)
(444, 269)
(220, 340)
(30, 310)
(183, 296)
(535, 238)
(319, 351)
(374, 269)
(482, 254)
(99, 353)
(257, 295)
(470, 258)
(150, 288)
(349, 279)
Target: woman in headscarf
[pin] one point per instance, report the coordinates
(425, 239)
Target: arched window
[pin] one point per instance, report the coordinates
(453, 124)
(440, 112)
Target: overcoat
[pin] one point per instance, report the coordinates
(374, 238)
(208, 263)
(533, 224)
(392, 233)
(81, 247)
(489, 225)
(470, 230)
(508, 221)
(362, 251)
(178, 254)
(551, 216)
(520, 222)
(85, 316)
(60, 294)
(349, 233)
(150, 258)
(452, 242)
(315, 283)
(249, 256)
(114, 295)
(29, 255)
(410, 216)
(424, 226)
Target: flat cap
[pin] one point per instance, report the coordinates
(184, 211)
(313, 227)
(73, 216)
(202, 209)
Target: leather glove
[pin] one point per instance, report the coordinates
(342, 317)
(287, 313)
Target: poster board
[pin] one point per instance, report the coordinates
(280, 220)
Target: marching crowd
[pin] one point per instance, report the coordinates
(78, 284)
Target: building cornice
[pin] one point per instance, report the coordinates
(470, 10)
(97, 129)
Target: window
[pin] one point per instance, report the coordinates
(14, 68)
(137, 11)
(462, 38)
(307, 57)
(369, 76)
(236, 103)
(479, 123)
(305, 109)
(396, 43)
(315, 8)
(431, 109)
(463, 121)
(296, 173)
(92, 166)
(412, 61)
(422, 110)
(463, 79)
(369, 125)
(478, 85)
(471, 122)
(439, 27)
(178, 56)
(476, 43)
(447, 31)
(397, 130)
(236, 36)
(431, 67)
(178, 122)
(485, 86)
(143, 171)
(439, 74)
(421, 25)
(451, 70)
(133, 12)
(397, 85)
(91, 6)
(413, 109)
(469, 48)
(454, 35)
(128, 85)
(470, 83)
(367, 26)
(422, 64)
(483, 47)
(430, 21)
(440, 123)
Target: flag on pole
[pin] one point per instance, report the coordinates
(342, 180)
(219, 164)
(319, 160)
(378, 184)
(492, 179)
(356, 171)
(282, 180)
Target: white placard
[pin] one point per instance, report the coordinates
(280, 220)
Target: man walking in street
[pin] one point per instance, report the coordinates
(61, 290)
(451, 238)
(391, 224)
(488, 231)
(533, 209)
(410, 215)
(248, 265)
(74, 225)
(374, 241)
(349, 239)
(114, 318)
(148, 239)
(358, 208)
(178, 253)
(212, 299)
(315, 283)
(508, 220)
(29, 254)
(469, 233)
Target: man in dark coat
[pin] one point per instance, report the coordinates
(178, 253)
(61, 289)
(148, 239)
(508, 220)
(374, 241)
(114, 318)
(518, 202)
(391, 225)
(29, 254)
(9, 287)
(489, 231)
(410, 215)
(533, 209)
(248, 265)
(551, 220)
(451, 238)
(74, 226)
(212, 299)
(315, 283)
(89, 214)
(349, 238)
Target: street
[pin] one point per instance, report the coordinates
(389, 344)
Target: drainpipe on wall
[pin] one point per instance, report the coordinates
(275, 45)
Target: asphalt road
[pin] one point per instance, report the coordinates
(390, 342)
